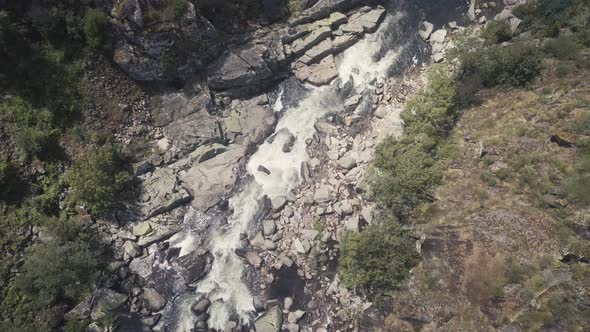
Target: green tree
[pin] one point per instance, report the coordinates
(378, 258)
(96, 181)
(496, 32)
(95, 26)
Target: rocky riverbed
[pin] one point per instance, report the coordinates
(255, 173)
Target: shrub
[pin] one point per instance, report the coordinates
(518, 272)
(578, 185)
(95, 26)
(96, 181)
(378, 258)
(432, 111)
(483, 277)
(512, 66)
(496, 32)
(58, 272)
(30, 129)
(562, 48)
(405, 173)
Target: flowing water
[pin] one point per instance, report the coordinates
(390, 50)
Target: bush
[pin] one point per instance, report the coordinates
(562, 48)
(496, 32)
(95, 26)
(173, 9)
(96, 181)
(432, 111)
(512, 66)
(379, 258)
(578, 185)
(30, 129)
(405, 173)
(58, 272)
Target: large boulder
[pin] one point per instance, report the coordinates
(212, 180)
(248, 69)
(161, 193)
(106, 301)
(270, 321)
(156, 50)
(192, 131)
(175, 106)
(152, 300)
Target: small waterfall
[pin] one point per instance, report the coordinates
(224, 285)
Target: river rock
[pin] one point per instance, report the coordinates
(269, 227)
(288, 303)
(161, 193)
(251, 257)
(341, 43)
(175, 106)
(317, 74)
(201, 306)
(162, 233)
(105, 302)
(426, 31)
(471, 10)
(192, 131)
(295, 316)
(347, 162)
(142, 228)
(278, 203)
(298, 246)
(270, 321)
(438, 36)
(152, 300)
(300, 46)
(258, 240)
(317, 52)
(211, 180)
(322, 194)
(263, 170)
(131, 249)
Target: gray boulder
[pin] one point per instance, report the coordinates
(192, 131)
(213, 179)
(322, 194)
(106, 301)
(161, 193)
(152, 300)
(270, 321)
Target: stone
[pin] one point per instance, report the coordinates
(151, 320)
(309, 234)
(175, 106)
(453, 25)
(322, 194)
(437, 58)
(141, 167)
(269, 227)
(270, 321)
(131, 249)
(263, 170)
(206, 152)
(298, 246)
(251, 257)
(427, 31)
(300, 46)
(162, 233)
(291, 327)
(347, 162)
(201, 306)
(381, 112)
(105, 302)
(438, 36)
(367, 214)
(258, 240)
(482, 20)
(318, 74)
(230, 326)
(295, 316)
(288, 303)
(278, 203)
(312, 305)
(327, 129)
(152, 300)
(471, 10)
(341, 43)
(346, 207)
(161, 193)
(318, 52)
(192, 131)
(213, 179)
(142, 229)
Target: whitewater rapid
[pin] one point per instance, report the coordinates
(224, 285)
